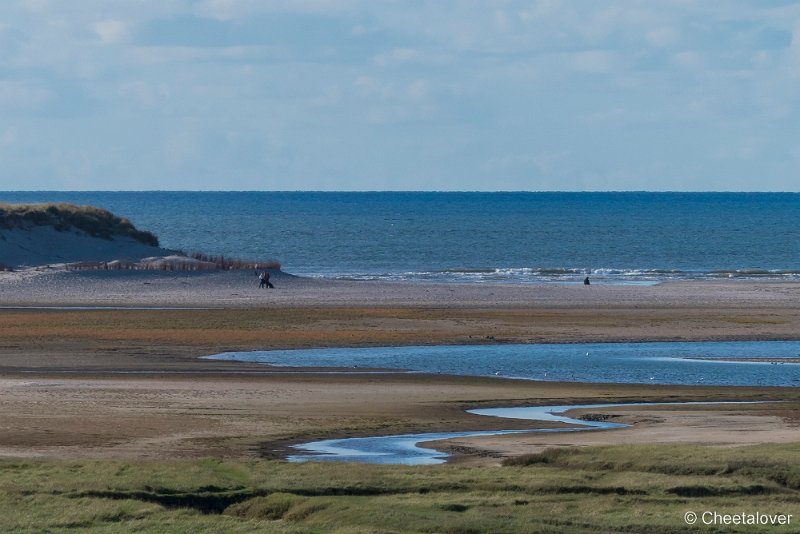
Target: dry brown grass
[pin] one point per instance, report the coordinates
(227, 264)
(203, 263)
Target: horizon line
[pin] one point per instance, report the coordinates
(397, 191)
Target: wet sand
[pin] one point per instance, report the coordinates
(714, 425)
(179, 416)
(128, 383)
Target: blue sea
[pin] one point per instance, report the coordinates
(627, 238)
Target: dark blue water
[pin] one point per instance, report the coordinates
(514, 237)
(643, 363)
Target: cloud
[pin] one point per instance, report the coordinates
(794, 52)
(241, 9)
(593, 61)
(341, 92)
(663, 37)
(111, 31)
(36, 6)
(8, 137)
(687, 60)
(21, 95)
(418, 89)
(145, 95)
(397, 55)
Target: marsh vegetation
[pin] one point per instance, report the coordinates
(641, 488)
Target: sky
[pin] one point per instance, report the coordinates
(677, 95)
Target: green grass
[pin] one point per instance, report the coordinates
(780, 466)
(597, 489)
(94, 221)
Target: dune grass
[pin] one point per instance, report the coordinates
(226, 264)
(597, 489)
(103, 224)
(96, 222)
(203, 262)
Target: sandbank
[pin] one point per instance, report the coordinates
(128, 383)
(251, 416)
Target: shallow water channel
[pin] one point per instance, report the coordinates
(741, 363)
(406, 449)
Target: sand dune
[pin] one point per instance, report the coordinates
(44, 245)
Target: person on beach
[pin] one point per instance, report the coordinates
(586, 281)
(266, 281)
(261, 279)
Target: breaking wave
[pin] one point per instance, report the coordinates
(567, 275)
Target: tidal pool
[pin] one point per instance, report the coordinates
(686, 363)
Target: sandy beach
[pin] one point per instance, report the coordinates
(128, 383)
(239, 289)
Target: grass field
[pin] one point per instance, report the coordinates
(80, 379)
(608, 489)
